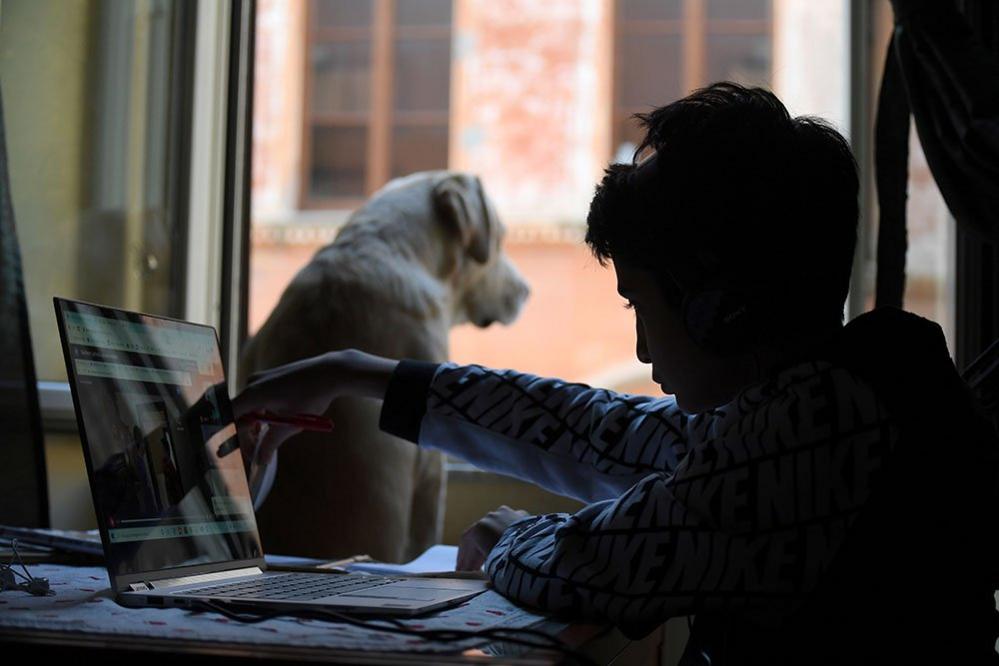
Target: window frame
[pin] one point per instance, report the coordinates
(693, 27)
(381, 119)
(215, 115)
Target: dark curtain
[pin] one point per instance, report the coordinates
(942, 70)
(23, 487)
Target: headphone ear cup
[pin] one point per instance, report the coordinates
(699, 315)
(717, 320)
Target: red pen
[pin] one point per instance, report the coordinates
(304, 421)
(311, 422)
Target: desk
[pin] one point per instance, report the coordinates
(82, 616)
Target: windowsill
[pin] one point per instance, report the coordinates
(56, 403)
(321, 227)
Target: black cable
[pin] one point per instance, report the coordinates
(511, 635)
(33, 585)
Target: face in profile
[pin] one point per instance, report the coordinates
(679, 366)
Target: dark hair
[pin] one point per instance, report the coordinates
(770, 200)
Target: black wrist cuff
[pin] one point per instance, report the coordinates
(405, 400)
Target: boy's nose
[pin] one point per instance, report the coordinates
(641, 349)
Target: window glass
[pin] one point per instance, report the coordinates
(930, 256)
(649, 10)
(338, 161)
(741, 58)
(343, 13)
(93, 97)
(739, 9)
(423, 12)
(650, 69)
(929, 283)
(341, 81)
(422, 74)
(418, 149)
(360, 98)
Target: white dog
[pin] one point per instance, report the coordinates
(422, 255)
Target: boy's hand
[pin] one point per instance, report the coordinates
(478, 540)
(304, 387)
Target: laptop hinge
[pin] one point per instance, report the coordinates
(139, 587)
(201, 578)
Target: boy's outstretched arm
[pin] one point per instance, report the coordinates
(587, 443)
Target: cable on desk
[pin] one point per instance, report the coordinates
(512, 635)
(33, 585)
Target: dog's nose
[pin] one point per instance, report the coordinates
(516, 297)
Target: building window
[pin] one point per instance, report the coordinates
(377, 96)
(666, 48)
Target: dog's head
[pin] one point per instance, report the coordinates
(444, 220)
(486, 286)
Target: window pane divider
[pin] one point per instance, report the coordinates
(420, 119)
(654, 27)
(744, 27)
(343, 119)
(441, 32)
(379, 131)
(56, 402)
(340, 34)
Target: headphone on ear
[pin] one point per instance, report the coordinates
(718, 315)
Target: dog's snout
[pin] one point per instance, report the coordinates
(517, 296)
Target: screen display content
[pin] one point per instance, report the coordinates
(165, 467)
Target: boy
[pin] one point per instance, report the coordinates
(813, 493)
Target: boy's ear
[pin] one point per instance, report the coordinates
(461, 204)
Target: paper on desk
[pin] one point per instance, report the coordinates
(434, 559)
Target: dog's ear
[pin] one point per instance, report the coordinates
(461, 202)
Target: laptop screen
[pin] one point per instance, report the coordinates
(165, 469)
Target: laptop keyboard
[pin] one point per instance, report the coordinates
(296, 586)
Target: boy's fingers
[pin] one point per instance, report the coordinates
(469, 556)
(250, 399)
(271, 439)
(248, 435)
(254, 378)
(465, 546)
(243, 403)
(473, 562)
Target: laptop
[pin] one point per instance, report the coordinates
(174, 510)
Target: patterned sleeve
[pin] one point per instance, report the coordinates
(587, 443)
(750, 518)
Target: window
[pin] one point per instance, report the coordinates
(666, 48)
(930, 286)
(377, 95)
(125, 177)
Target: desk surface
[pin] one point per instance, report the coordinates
(83, 614)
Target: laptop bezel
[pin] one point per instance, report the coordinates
(123, 583)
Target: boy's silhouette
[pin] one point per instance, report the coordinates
(813, 493)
